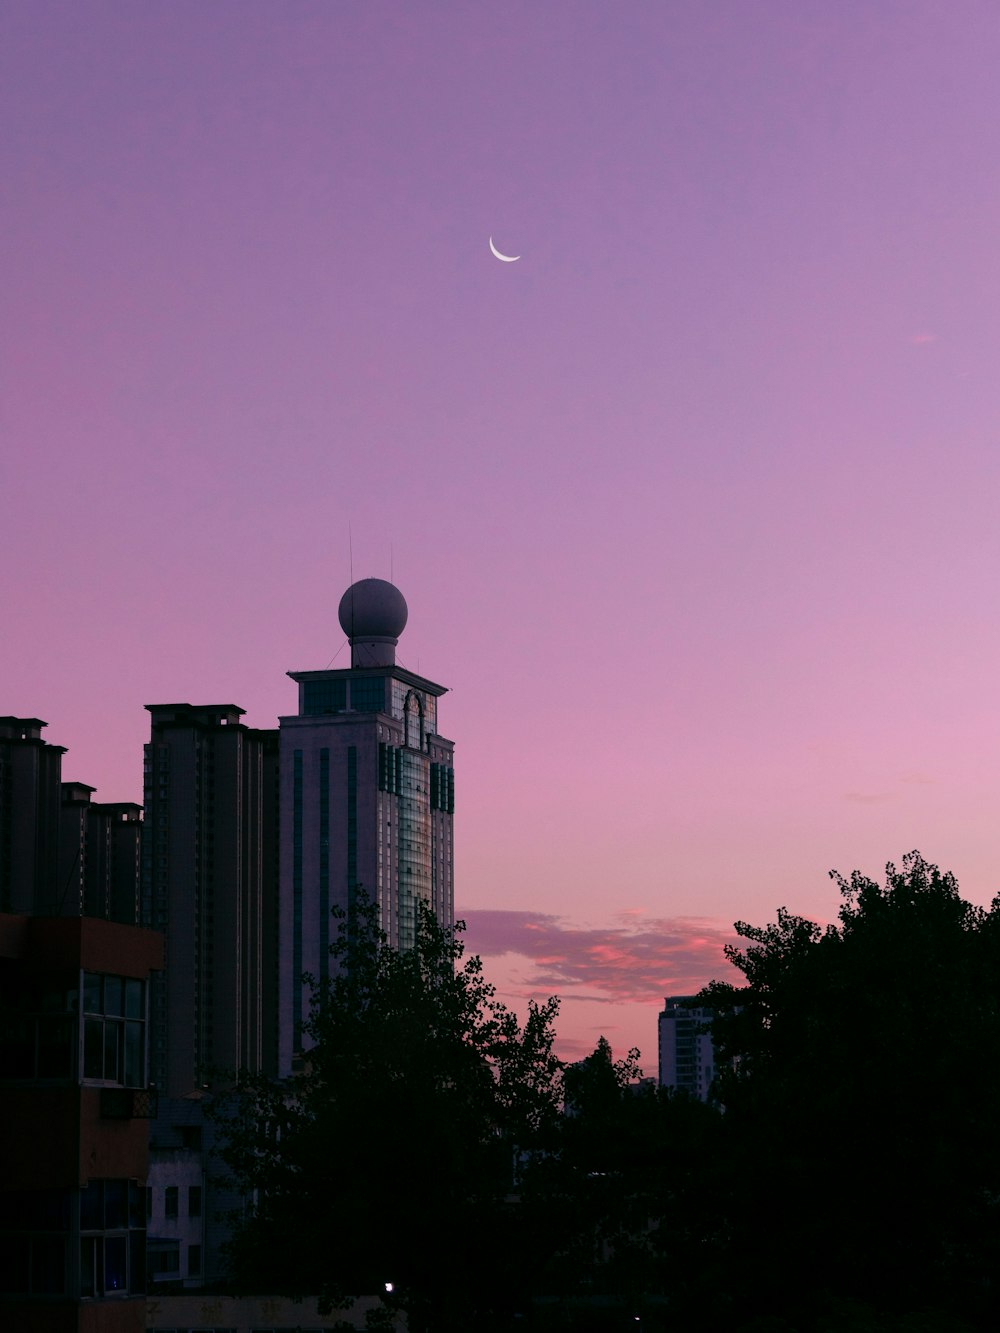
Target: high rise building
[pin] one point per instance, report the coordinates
(687, 1056)
(210, 884)
(100, 850)
(30, 777)
(367, 799)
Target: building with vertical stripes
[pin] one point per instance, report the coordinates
(30, 778)
(210, 885)
(367, 799)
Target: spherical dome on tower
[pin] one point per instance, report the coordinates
(373, 609)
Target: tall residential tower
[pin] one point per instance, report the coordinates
(687, 1055)
(367, 799)
(210, 884)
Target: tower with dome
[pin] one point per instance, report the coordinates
(367, 798)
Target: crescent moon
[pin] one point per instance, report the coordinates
(507, 259)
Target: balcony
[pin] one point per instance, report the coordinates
(128, 1103)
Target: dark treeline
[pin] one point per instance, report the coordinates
(845, 1177)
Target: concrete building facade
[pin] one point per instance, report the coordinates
(209, 883)
(30, 778)
(100, 856)
(74, 1108)
(687, 1056)
(367, 799)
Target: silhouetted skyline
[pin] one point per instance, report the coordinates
(693, 505)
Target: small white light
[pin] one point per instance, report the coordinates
(388, 1286)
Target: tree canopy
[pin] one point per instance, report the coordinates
(390, 1158)
(845, 1178)
(862, 1093)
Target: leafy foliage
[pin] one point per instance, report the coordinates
(862, 1098)
(390, 1159)
(846, 1178)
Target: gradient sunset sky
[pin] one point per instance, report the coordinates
(695, 506)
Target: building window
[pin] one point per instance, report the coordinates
(324, 863)
(190, 1136)
(33, 1236)
(323, 696)
(39, 1030)
(194, 1261)
(414, 721)
(114, 1030)
(170, 1196)
(194, 1201)
(164, 1261)
(368, 694)
(112, 1238)
(297, 796)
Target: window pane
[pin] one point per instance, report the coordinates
(88, 1265)
(55, 1047)
(368, 694)
(112, 1051)
(194, 1261)
(137, 1261)
(93, 1048)
(133, 999)
(115, 1263)
(115, 1204)
(194, 1201)
(136, 1204)
(114, 995)
(92, 993)
(92, 1206)
(170, 1201)
(133, 1055)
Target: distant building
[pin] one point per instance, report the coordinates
(209, 882)
(177, 1204)
(30, 777)
(367, 798)
(74, 1108)
(687, 1056)
(61, 853)
(100, 856)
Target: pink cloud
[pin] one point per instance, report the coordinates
(637, 959)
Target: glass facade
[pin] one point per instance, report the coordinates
(367, 795)
(427, 704)
(368, 694)
(323, 696)
(297, 889)
(414, 862)
(324, 862)
(352, 821)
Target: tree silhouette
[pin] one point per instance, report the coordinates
(862, 1094)
(390, 1159)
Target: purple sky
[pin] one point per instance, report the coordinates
(695, 506)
